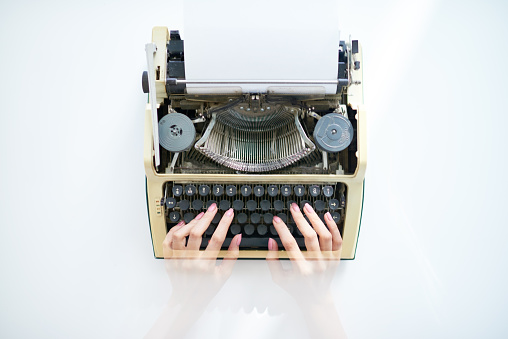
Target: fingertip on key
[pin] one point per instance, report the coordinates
(307, 208)
(328, 216)
(212, 207)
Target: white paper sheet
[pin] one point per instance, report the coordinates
(261, 40)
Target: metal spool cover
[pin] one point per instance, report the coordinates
(333, 133)
(176, 132)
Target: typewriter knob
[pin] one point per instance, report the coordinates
(144, 82)
(333, 133)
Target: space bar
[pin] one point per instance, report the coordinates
(253, 243)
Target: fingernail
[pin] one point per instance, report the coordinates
(239, 240)
(307, 208)
(328, 216)
(212, 207)
(229, 212)
(200, 215)
(270, 244)
(276, 219)
(295, 207)
(180, 223)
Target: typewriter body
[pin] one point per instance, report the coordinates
(254, 152)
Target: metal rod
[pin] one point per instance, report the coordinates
(174, 81)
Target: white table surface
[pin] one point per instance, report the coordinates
(76, 258)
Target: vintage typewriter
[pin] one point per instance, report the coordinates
(254, 152)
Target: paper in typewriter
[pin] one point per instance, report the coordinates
(261, 40)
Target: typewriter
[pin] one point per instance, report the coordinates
(254, 152)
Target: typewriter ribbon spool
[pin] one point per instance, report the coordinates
(333, 133)
(176, 132)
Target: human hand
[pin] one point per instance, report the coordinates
(193, 273)
(309, 279)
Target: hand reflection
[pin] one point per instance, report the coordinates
(194, 275)
(309, 280)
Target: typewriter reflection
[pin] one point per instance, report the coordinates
(254, 152)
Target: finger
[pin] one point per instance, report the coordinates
(311, 239)
(334, 230)
(288, 241)
(230, 259)
(167, 249)
(325, 237)
(274, 264)
(168, 240)
(220, 233)
(200, 227)
(180, 235)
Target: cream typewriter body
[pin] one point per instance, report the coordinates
(254, 152)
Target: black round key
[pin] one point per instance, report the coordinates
(174, 216)
(242, 218)
(197, 205)
(237, 205)
(328, 191)
(322, 217)
(218, 190)
(245, 190)
(230, 190)
(278, 205)
(273, 190)
(333, 204)
(210, 230)
(210, 203)
(184, 205)
(273, 230)
(188, 217)
(204, 190)
(190, 190)
(217, 218)
(314, 190)
(268, 218)
(225, 205)
(252, 205)
(299, 190)
(255, 218)
(265, 205)
(319, 205)
(235, 229)
(285, 190)
(259, 191)
(177, 190)
(170, 203)
(262, 229)
(336, 216)
(283, 217)
(249, 229)
(303, 202)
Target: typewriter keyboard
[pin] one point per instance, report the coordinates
(254, 206)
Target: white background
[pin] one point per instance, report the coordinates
(76, 258)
